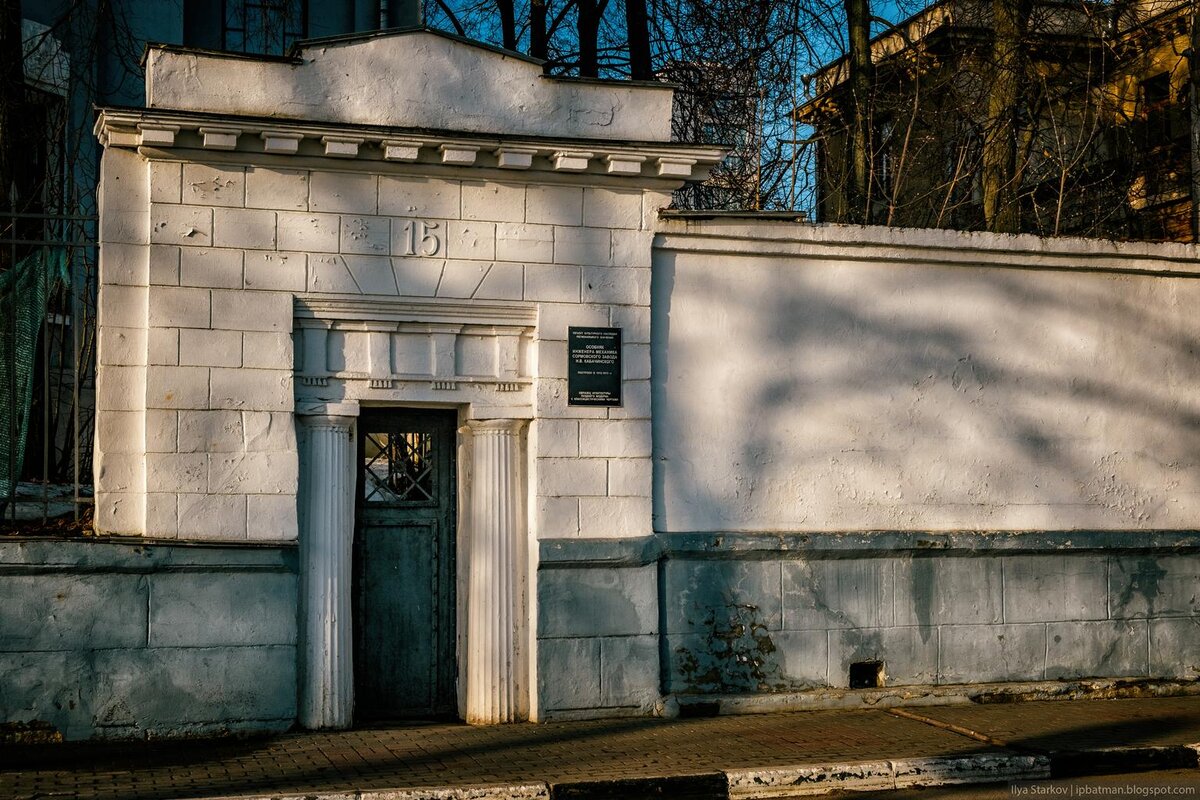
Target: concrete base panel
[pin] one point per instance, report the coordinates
(598, 644)
(746, 626)
(760, 617)
(148, 640)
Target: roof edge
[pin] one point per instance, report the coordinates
(359, 36)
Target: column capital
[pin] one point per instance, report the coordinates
(327, 422)
(511, 426)
(338, 415)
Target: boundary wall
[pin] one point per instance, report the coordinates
(971, 458)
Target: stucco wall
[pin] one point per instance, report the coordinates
(794, 615)
(450, 85)
(804, 380)
(970, 457)
(196, 438)
(273, 252)
(825, 378)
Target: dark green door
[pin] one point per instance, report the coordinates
(404, 543)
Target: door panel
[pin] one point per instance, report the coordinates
(404, 564)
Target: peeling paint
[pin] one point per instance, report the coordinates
(739, 656)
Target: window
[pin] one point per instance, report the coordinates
(1156, 89)
(1157, 111)
(263, 26)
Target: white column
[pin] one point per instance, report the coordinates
(326, 532)
(497, 540)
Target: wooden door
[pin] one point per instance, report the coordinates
(404, 546)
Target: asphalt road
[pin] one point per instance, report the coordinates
(1176, 783)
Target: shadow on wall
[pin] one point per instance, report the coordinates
(832, 396)
(850, 396)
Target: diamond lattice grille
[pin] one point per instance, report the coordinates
(398, 468)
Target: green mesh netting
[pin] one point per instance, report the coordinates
(24, 292)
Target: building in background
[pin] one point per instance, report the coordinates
(1105, 136)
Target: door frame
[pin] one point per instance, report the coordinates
(326, 651)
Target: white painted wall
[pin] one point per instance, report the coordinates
(472, 256)
(416, 79)
(196, 332)
(831, 378)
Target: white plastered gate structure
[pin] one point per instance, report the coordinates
(285, 242)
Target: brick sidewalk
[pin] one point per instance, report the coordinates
(425, 755)
(1087, 725)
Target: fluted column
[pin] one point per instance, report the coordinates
(327, 529)
(497, 539)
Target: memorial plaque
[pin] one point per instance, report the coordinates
(594, 366)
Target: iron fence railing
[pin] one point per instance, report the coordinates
(48, 282)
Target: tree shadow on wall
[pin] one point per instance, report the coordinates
(821, 397)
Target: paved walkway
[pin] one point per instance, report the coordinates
(580, 759)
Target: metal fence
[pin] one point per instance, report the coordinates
(48, 283)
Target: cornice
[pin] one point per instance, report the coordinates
(426, 311)
(165, 130)
(766, 237)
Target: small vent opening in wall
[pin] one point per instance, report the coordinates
(867, 675)
(698, 708)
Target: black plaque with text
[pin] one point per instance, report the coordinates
(594, 366)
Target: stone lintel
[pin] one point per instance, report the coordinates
(349, 408)
(326, 310)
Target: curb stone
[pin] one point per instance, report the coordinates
(534, 790)
(973, 769)
(799, 781)
(761, 784)
(698, 786)
(1074, 763)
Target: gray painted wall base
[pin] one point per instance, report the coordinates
(752, 618)
(598, 641)
(134, 638)
(119, 639)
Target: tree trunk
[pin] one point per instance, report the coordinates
(1000, 211)
(1194, 96)
(589, 35)
(508, 23)
(858, 172)
(537, 30)
(640, 68)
